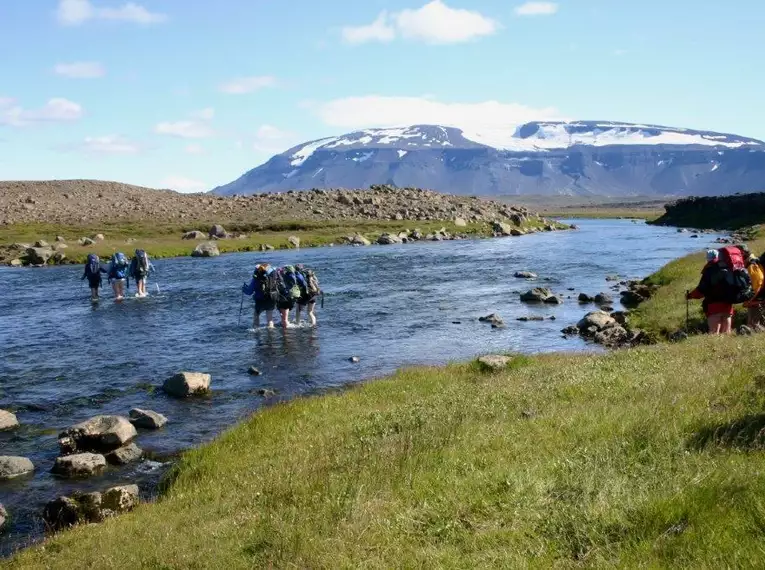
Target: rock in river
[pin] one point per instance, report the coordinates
(39, 255)
(101, 433)
(146, 419)
(525, 275)
(8, 420)
(600, 320)
(79, 465)
(603, 299)
(3, 516)
(94, 507)
(124, 455)
(536, 295)
(186, 384)
(493, 319)
(207, 249)
(12, 467)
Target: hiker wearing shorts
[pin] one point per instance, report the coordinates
(309, 290)
(719, 312)
(118, 275)
(263, 287)
(92, 273)
(288, 280)
(140, 267)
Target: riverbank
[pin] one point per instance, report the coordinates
(665, 312)
(165, 241)
(625, 459)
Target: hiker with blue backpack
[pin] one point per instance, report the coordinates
(263, 288)
(309, 291)
(289, 283)
(118, 275)
(92, 273)
(140, 267)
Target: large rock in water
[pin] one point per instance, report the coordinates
(79, 465)
(93, 507)
(12, 467)
(124, 455)
(8, 420)
(598, 319)
(146, 419)
(388, 239)
(101, 433)
(3, 516)
(186, 384)
(537, 295)
(207, 249)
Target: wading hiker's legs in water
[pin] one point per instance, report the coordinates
(309, 310)
(269, 319)
(141, 287)
(285, 317)
(118, 285)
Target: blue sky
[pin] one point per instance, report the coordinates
(190, 94)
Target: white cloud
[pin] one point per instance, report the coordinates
(56, 110)
(242, 85)
(183, 184)
(185, 129)
(76, 12)
(269, 139)
(108, 144)
(198, 127)
(206, 114)
(80, 70)
(380, 111)
(537, 9)
(434, 23)
(194, 149)
(379, 30)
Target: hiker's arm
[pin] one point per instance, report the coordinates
(696, 294)
(249, 289)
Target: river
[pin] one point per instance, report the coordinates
(64, 360)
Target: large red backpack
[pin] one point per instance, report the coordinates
(738, 284)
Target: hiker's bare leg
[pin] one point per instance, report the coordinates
(94, 292)
(713, 322)
(725, 324)
(297, 314)
(255, 319)
(285, 317)
(311, 314)
(270, 318)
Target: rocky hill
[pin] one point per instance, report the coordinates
(722, 212)
(88, 202)
(550, 158)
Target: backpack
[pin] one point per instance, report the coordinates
(119, 266)
(142, 263)
(311, 282)
(265, 282)
(288, 284)
(93, 266)
(737, 284)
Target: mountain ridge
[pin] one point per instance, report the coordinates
(605, 158)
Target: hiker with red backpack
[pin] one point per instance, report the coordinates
(724, 282)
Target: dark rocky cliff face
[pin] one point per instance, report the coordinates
(608, 159)
(720, 212)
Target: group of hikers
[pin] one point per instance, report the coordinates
(732, 275)
(118, 272)
(283, 288)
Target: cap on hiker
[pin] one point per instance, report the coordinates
(712, 254)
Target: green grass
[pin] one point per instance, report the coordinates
(665, 312)
(164, 240)
(649, 457)
(604, 213)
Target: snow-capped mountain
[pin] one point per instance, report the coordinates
(574, 158)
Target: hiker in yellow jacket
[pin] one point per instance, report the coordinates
(756, 306)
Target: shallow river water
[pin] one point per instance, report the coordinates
(64, 360)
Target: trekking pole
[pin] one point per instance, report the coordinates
(241, 305)
(687, 312)
(322, 299)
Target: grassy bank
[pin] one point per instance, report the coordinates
(665, 312)
(647, 457)
(603, 213)
(164, 240)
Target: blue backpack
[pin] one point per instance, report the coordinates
(119, 266)
(93, 267)
(288, 283)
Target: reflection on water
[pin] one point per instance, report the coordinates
(65, 360)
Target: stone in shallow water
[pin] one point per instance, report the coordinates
(12, 467)
(79, 465)
(8, 420)
(124, 455)
(101, 433)
(186, 384)
(146, 419)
